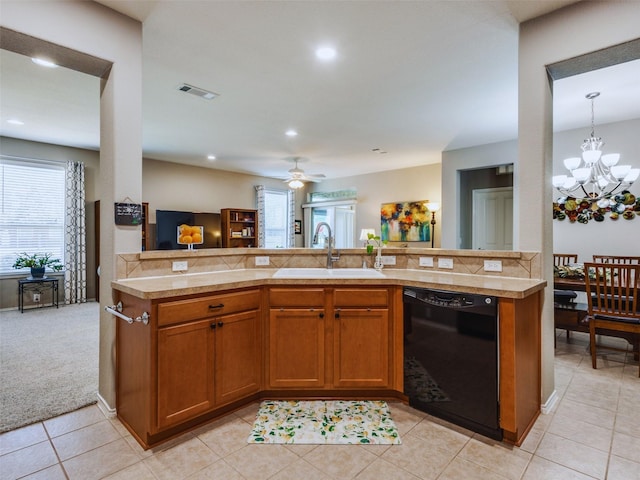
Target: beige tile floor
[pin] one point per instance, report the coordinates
(593, 432)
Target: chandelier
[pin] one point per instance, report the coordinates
(595, 177)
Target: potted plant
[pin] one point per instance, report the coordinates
(375, 241)
(37, 262)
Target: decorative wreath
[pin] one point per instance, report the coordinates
(624, 204)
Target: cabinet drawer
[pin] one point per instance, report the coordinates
(361, 297)
(298, 297)
(209, 306)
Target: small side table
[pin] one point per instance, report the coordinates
(39, 285)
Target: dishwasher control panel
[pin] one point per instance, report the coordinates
(447, 299)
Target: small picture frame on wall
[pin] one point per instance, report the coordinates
(297, 227)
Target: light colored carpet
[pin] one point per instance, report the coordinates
(48, 362)
(335, 422)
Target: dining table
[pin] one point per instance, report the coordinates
(577, 284)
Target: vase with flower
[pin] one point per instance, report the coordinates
(374, 241)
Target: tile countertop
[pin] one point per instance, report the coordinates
(198, 283)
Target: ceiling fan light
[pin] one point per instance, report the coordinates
(295, 183)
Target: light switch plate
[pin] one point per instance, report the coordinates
(388, 259)
(180, 266)
(445, 263)
(492, 265)
(262, 261)
(426, 261)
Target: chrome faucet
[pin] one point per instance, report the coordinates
(330, 257)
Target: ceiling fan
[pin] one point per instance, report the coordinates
(297, 177)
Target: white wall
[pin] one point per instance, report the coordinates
(171, 186)
(417, 183)
(620, 237)
(483, 156)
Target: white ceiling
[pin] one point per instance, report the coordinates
(411, 78)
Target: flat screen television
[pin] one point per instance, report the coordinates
(167, 222)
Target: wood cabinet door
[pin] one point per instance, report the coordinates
(238, 356)
(185, 372)
(296, 348)
(361, 347)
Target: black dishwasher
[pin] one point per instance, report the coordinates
(451, 357)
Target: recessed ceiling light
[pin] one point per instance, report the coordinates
(211, 157)
(326, 53)
(291, 133)
(44, 63)
(15, 121)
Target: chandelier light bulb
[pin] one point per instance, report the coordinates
(620, 171)
(632, 176)
(591, 156)
(559, 180)
(572, 163)
(610, 159)
(582, 175)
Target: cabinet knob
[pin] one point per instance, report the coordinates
(220, 305)
(220, 324)
(213, 326)
(321, 314)
(337, 315)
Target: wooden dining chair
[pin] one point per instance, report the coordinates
(616, 259)
(563, 300)
(613, 300)
(561, 259)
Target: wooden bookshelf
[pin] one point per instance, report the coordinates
(239, 228)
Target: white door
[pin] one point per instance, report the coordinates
(493, 219)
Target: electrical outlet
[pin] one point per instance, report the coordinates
(180, 266)
(36, 298)
(445, 263)
(388, 259)
(492, 265)
(426, 261)
(262, 261)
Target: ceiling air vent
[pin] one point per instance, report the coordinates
(198, 92)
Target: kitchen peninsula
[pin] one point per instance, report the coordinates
(228, 332)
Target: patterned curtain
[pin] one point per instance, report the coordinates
(291, 197)
(75, 261)
(260, 208)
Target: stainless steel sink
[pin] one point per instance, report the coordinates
(328, 273)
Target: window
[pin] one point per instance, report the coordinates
(32, 209)
(277, 215)
(340, 215)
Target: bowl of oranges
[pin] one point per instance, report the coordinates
(190, 235)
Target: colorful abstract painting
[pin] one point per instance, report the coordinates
(405, 222)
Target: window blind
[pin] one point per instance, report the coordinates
(32, 209)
